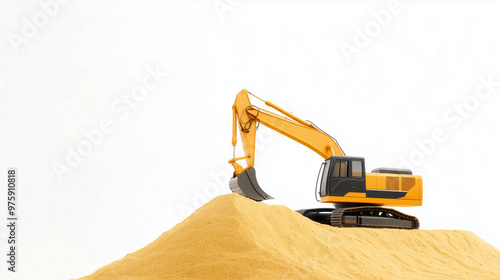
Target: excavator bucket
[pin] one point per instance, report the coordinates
(246, 185)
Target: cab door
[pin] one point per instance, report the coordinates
(358, 182)
(340, 181)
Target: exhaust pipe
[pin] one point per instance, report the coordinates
(246, 185)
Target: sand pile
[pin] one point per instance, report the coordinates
(232, 237)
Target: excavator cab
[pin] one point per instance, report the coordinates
(342, 175)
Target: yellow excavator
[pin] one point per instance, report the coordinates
(356, 194)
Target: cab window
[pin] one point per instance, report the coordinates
(324, 179)
(340, 169)
(357, 168)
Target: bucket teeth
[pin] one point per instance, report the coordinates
(246, 185)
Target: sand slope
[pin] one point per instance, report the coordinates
(232, 237)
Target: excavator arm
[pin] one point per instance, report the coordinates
(246, 117)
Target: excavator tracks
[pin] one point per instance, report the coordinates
(372, 217)
(361, 216)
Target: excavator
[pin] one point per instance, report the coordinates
(358, 196)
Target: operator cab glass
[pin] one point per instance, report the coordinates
(324, 177)
(357, 168)
(341, 169)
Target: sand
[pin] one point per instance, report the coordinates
(232, 237)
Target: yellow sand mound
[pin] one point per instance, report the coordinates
(232, 237)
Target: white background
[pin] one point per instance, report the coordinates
(169, 154)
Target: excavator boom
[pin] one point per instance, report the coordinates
(246, 116)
